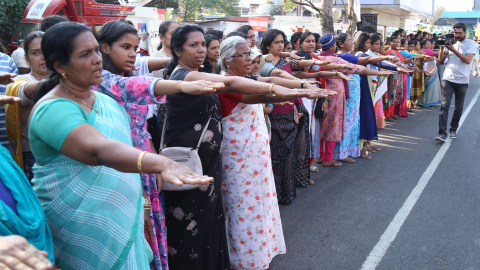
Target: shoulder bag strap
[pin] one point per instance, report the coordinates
(199, 141)
(204, 130)
(163, 132)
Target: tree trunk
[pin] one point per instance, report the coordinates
(352, 20)
(326, 21)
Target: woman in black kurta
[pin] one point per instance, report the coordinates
(194, 218)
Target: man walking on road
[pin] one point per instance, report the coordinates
(455, 79)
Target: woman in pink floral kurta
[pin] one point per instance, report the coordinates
(332, 126)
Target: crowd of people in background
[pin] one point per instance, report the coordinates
(81, 179)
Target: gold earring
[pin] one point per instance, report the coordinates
(64, 75)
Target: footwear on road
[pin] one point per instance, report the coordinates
(441, 138)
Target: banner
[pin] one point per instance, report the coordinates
(258, 24)
(381, 91)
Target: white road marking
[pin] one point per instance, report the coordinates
(376, 255)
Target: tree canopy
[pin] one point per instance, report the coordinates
(10, 15)
(190, 10)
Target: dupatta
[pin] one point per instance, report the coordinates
(12, 121)
(397, 53)
(30, 221)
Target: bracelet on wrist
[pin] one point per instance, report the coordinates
(139, 161)
(270, 90)
(147, 203)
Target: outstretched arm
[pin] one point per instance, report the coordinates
(8, 100)
(155, 63)
(374, 59)
(282, 74)
(87, 145)
(6, 78)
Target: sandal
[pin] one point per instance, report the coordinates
(374, 147)
(389, 119)
(370, 145)
(348, 160)
(364, 154)
(333, 163)
(313, 168)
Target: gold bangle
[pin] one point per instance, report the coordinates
(139, 161)
(146, 204)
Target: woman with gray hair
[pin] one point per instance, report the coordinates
(254, 227)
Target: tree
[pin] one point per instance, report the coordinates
(195, 9)
(286, 7)
(351, 16)
(10, 15)
(421, 28)
(325, 12)
(161, 4)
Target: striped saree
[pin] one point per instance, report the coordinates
(95, 213)
(432, 96)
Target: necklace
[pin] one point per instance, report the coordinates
(98, 113)
(183, 66)
(37, 76)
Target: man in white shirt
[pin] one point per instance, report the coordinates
(455, 79)
(18, 57)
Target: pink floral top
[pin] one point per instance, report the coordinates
(139, 90)
(134, 94)
(333, 123)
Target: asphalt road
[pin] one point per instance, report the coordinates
(340, 221)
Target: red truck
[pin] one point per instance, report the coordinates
(94, 14)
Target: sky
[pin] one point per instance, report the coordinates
(455, 5)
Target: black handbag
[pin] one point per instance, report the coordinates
(318, 112)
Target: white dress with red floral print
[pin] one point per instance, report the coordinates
(254, 227)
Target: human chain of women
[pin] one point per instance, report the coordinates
(180, 159)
